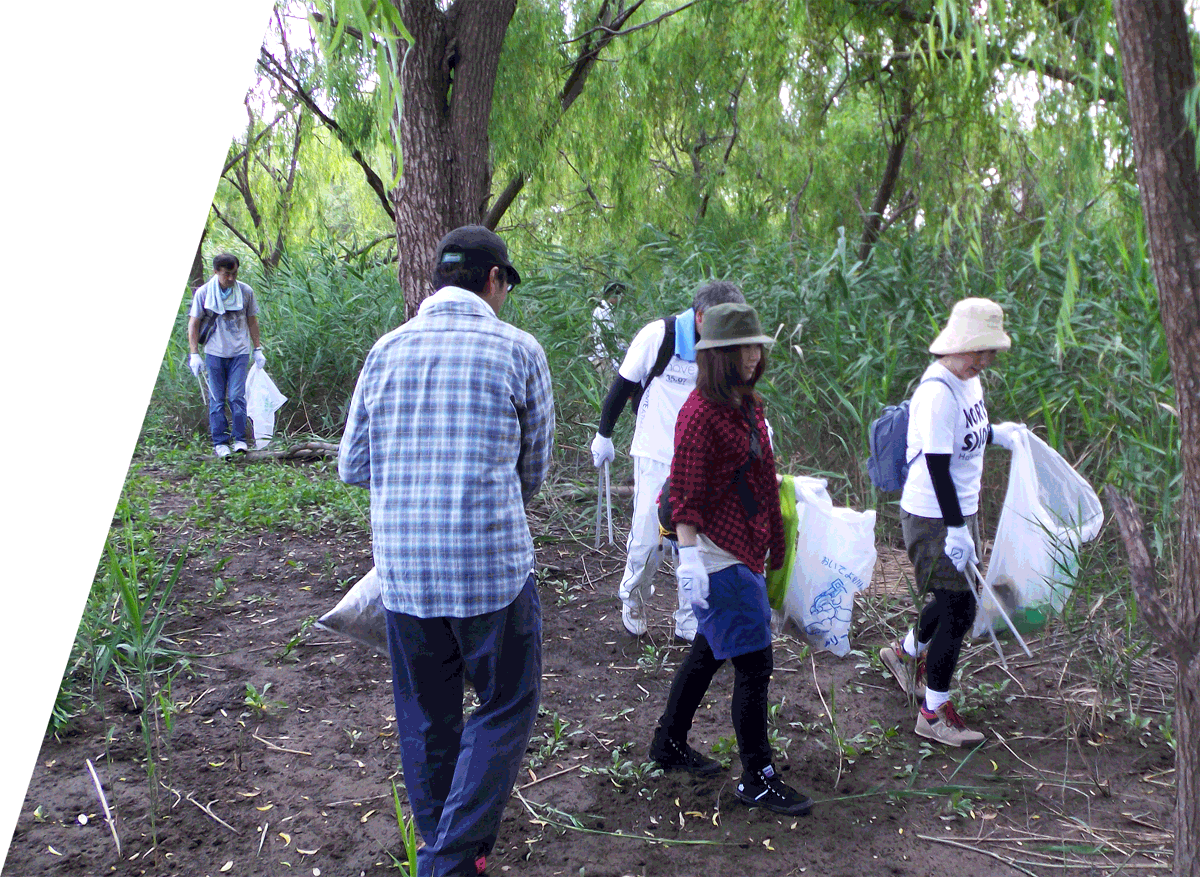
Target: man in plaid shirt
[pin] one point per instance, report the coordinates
(452, 427)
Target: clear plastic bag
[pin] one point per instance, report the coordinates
(360, 614)
(1049, 512)
(263, 399)
(835, 559)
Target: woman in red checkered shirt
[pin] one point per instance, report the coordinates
(725, 506)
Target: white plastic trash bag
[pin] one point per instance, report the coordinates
(835, 558)
(360, 614)
(263, 399)
(1049, 512)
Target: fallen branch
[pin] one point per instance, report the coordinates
(108, 817)
(278, 748)
(953, 843)
(550, 776)
(302, 451)
(651, 839)
(208, 812)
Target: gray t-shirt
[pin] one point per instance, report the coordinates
(231, 336)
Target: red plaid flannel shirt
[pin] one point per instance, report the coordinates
(711, 443)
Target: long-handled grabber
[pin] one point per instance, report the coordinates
(599, 502)
(608, 501)
(203, 387)
(987, 589)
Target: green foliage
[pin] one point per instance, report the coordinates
(258, 700)
(623, 771)
(408, 837)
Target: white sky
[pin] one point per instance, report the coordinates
(112, 158)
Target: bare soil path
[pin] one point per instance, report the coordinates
(1067, 783)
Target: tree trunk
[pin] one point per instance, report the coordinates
(873, 225)
(199, 271)
(447, 79)
(1156, 57)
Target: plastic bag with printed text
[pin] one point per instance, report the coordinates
(835, 559)
(1049, 512)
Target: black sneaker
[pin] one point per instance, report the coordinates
(764, 788)
(670, 754)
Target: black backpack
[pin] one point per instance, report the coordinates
(665, 351)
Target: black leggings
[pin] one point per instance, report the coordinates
(751, 678)
(944, 621)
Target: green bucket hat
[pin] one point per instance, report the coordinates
(727, 325)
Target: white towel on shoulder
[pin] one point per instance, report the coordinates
(216, 302)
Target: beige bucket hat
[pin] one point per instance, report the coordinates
(974, 324)
(729, 324)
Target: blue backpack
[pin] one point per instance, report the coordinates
(888, 464)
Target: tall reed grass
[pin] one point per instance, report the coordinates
(1088, 369)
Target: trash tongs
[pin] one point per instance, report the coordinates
(987, 589)
(603, 499)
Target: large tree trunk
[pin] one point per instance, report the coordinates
(1157, 59)
(446, 82)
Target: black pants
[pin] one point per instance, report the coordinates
(949, 614)
(751, 678)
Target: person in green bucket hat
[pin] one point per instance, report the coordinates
(724, 502)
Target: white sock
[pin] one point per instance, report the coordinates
(912, 648)
(934, 699)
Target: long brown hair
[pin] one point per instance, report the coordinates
(719, 376)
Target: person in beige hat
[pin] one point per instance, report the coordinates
(724, 504)
(948, 429)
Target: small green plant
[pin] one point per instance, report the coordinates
(296, 639)
(555, 741)
(130, 643)
(653, 658)
(408, 837)
(724, 746)
(623, 771)
(1166, 728)
(220, 587)
(960, 805)
(258, 701)
(981, 695)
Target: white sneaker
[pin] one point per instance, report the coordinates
(221, 451)
(240, 447)
(633, 616)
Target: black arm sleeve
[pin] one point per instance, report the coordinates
(943, 489)
(614, 404)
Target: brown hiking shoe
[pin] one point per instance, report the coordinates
(946, 726)
(909, 671)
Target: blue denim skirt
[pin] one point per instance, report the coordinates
(738, 618)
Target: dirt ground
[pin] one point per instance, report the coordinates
(1071, 779)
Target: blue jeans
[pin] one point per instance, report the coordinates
(459, 777)
(227, 380)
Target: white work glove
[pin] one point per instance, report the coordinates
(195, 363)
(260, 358)
(602, 451)
(1003, 434)
(693, 577)
(960, 547)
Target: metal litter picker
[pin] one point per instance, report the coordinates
(604, 499)
(987, 589)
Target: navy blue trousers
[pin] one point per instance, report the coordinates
(459, 775)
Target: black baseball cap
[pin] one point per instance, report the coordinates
(475, 245)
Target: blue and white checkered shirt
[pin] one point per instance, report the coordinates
(452, 427)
